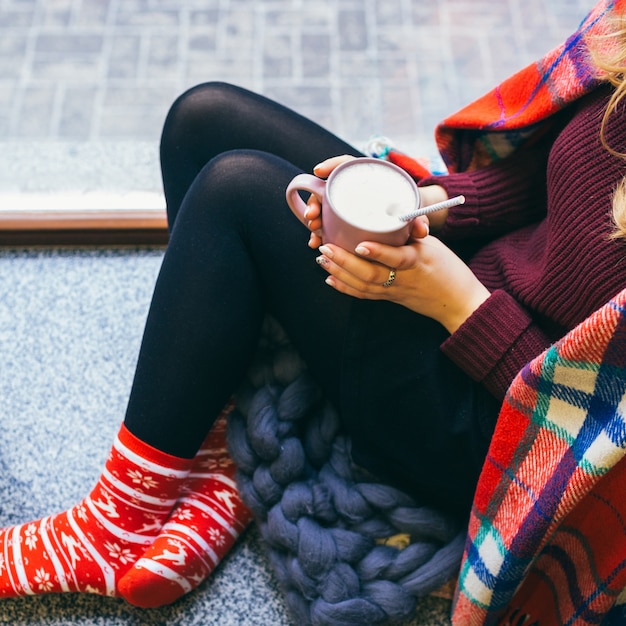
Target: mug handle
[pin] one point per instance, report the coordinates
(303, 182)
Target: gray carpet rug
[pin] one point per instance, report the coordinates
(70, 329)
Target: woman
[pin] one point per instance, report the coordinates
(478, 291)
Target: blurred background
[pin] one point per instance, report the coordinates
(85, 84)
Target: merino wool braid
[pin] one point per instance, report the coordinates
(325, 522)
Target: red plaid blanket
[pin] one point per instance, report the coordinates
(547, 537)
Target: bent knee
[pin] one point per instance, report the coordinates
(248, 169)
(239, 181)
(203, 102)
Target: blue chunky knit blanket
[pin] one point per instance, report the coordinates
(348, 550)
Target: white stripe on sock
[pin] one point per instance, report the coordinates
(211, 513)
(165, 572)
(58, 566)
(199, 551)
(7, 564)
(212, 452)
(107, 570)
(221, 507)
(142, 497)
(17, 561)
(194, 536)
(223, 479)
(116, 531)
(145, 464)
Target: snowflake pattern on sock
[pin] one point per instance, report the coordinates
(205, 523)
(90, 546)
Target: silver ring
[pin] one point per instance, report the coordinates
(392, 277)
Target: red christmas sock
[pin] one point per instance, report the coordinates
(90, 546)
(203, 526)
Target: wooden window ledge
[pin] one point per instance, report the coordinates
(82, 219)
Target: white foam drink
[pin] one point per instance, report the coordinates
(371, 196)
(362, 200)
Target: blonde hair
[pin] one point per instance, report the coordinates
(609, 54)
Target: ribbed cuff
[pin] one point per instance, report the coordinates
(495, 342)
(512, 194)
(463, 216)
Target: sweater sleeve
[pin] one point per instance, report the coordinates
(495, 342)
(499, 198)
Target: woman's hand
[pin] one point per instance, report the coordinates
(313, 213)
(425, 275)
(430, 279)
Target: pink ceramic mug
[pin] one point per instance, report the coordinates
(362, 200)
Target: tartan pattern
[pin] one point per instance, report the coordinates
(496, 124)
(547, 535)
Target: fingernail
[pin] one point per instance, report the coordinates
(362, 250)
(330, 281)
(327, 251)
(322, 260)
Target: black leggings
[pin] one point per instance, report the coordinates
(236, 252)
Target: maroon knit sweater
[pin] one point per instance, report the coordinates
(549, 263)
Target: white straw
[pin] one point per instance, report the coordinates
(446, 204)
